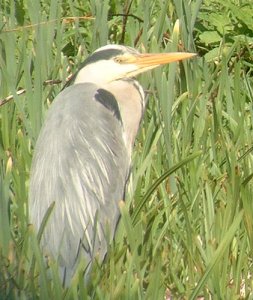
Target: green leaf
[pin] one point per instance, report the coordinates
(210, 37)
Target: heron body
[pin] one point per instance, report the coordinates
(83, 154)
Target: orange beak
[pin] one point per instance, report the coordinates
(156, 59)
(140, 63)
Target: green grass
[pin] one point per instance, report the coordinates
(187, 224)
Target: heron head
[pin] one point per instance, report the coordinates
(113, 62)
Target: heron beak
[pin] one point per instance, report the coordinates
(157, 59)
(149, 61)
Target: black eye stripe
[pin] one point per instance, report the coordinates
(101, 55)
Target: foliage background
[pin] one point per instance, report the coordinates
(187, 225)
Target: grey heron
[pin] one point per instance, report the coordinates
(82, 156)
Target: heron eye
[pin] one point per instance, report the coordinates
(118, 59)
(125, 59)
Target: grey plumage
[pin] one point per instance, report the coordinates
(83, 154)
(80, 131)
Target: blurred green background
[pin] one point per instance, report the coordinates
(187, 225)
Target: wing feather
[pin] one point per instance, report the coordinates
(80, 163)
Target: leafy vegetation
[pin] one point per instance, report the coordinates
(187, 223)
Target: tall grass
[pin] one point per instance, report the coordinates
(187, 223)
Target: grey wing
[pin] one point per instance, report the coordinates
(80, 163)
